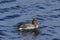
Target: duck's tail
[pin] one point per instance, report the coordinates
(20, 28)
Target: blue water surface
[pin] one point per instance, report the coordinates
(14, 13)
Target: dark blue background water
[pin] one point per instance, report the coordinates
(17, 12)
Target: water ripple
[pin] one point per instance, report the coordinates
(43, 16)
(57, 9)
(56, 39)
(39, 15)
(56, 26)
(1, 19)
(43, 27)
(7, 9)
(55, 16)
(2, 33)
(52, 27)
(38, 6)
(52, 16)
(46, 34)
(7, 1)
(52, 31)
(40, 18)
(1, 38)
(10, 17)
(4, 26)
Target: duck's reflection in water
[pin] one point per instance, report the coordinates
(33, 33)
(36, 32)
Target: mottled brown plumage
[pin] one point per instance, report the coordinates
(30, 26)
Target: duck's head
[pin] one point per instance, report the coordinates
(35, 22)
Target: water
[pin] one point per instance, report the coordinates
(17, 12)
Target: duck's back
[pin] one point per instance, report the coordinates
(27, 26)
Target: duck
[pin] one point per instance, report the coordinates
(33, 25)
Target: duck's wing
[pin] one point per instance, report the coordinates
(26, 26)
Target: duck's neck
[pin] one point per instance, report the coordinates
(35, 25)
